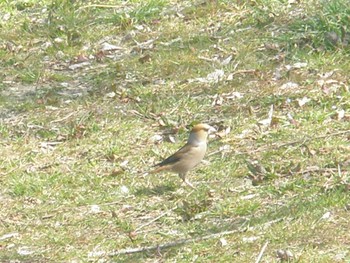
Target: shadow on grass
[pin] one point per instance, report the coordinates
(155, 190)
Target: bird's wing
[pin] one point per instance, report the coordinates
(180, 154)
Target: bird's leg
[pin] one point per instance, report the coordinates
(182, 176)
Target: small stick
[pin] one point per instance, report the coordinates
(244, 71)
(62, 119)
(170, 244)
(261, 252)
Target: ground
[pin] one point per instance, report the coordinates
(93, 93)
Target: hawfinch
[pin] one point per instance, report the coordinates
(190, 155)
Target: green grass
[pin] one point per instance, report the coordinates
(76, 144)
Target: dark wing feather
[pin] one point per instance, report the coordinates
(173, 158)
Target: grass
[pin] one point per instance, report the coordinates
(76, 144)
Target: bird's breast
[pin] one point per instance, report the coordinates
(190, 159)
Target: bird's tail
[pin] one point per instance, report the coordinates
(159, 168)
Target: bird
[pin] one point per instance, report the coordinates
(190, 155)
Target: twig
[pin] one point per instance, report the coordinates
(171, 244)
(62, 119)
(206, 59)
(261, 252)
(244, 71)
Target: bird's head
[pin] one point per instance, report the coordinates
(199, 133)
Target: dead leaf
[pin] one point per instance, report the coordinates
(157, 138)
(132, 235)
(109, 47)
(81, 58)
(79, 65)
(284, 255)
(6, 17)
(326, 216)
(299, 65)
(95, 209)
(124, 190)
(223, 242)
(271, 46)
(24, 251)
(7, 236)
(303, 101)
(126, 208)
(124, 164)
(292, 120)
(100, 55)
(340, 114)
(145, 58)
(248, 197)
(293, 1)
(110, 94)
(225, 148)
(211, 193)
(250, 239)
(171, 42)
(227, 60)
(58, 40)
(267, 122)
(328, 74)
(117, 172)
(213, 77)
(289, 85)
(257, 172)
(223, 132)
(233, 95)
(171, 138)
(149, 44)
(218, 100)
(162, 123)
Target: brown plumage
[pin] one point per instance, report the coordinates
(190, 155)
